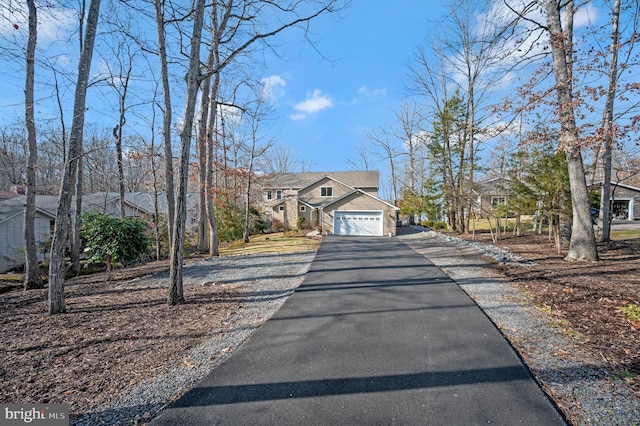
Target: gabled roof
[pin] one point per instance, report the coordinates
(357, 179)
(10, 211)
(326, 177)
(621, 185)
(361, 192)
(142, 201)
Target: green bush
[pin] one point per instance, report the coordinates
(112, 240)
(432, 224)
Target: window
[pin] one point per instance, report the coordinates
(498, 200)
(326, 191)
(269, 195)
(303, 208)
(281, 208)
(278, 194)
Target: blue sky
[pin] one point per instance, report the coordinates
(327, 96)
(325, 108)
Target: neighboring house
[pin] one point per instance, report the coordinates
(339, 203)
(139, 204)
(490, 194)
(12, 234)
(625, 201)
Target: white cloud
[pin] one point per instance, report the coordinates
(297, 117)
(273, 87)
(585, 16)
(372, 93)
(314, 103)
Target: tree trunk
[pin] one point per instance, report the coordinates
(583, 245)
(166, 121)
(117, 134)
(32, 276)
(209, 184)
(203, 242)
(77, 222)
(605, 194)
(60, 233)
(192, 78)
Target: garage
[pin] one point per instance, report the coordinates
(358, 223)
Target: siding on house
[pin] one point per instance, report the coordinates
(12, 235)
(311, 194)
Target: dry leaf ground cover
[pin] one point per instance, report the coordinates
(593, 302)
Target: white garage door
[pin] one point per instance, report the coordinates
(357, 223)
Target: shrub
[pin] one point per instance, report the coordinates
(300, 225)
(433, 224)
(113, 240)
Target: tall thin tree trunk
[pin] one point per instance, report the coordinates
(117, 134)
(75, 240)
(166, 121)
(60, 233)
(203, 242)
(176, 294)
(32, 276)
(209, 183)
(605, 195)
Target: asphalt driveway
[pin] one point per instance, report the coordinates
(376, 334)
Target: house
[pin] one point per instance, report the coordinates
(12, 234)
(339, 203)
(490, 194)
(139, 204)
(625, 200)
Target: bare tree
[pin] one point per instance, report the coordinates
(383, 140)
(60, 234)
(256, 150)
(279, 160)
(193, 78)
(166, 112)
(119, 79)
(32, 276)
(582, 245)
(363, 162)
(13, 156)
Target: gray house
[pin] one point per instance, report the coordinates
(625, 200)
(139, 204)
(12, 234)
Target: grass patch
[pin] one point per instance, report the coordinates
(482, 225)
(632, 311)
(630, 236)
(271, 243)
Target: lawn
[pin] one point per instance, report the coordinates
(271, 243)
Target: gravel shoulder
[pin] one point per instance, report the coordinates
(577, 381)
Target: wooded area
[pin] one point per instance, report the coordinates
(572, 124)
